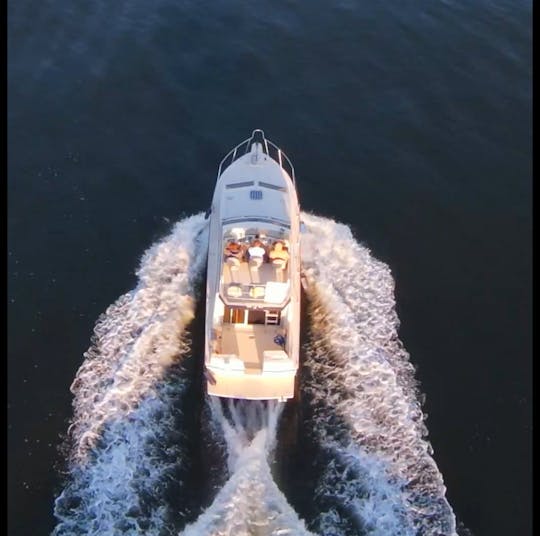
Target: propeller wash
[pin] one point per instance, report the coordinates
(376, 474)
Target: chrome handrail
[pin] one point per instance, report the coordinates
(281, 159)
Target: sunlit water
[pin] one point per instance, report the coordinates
(410, 120)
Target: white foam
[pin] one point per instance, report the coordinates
(125, 425)
(120, 489)
(250, 501)
(379, 477)
(140, 335)
(368, 418)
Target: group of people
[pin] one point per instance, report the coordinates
(258, 251)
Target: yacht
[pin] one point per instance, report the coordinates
(252, 332)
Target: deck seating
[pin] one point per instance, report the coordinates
(234, 291)
(276, 361)
(254, 279)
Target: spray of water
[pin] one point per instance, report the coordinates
(250, 503)
(377, 474)
(121, 489)
(140, 335)
(126, 428)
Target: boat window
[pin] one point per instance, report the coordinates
(256, 195)
(272, 186)
(273, 221)
(240, 184)
(256, 317)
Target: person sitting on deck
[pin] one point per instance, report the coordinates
(233, 249)
(256, 253)
(233, 256)
(279, 254)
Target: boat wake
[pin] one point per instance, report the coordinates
(377, 475)
(126, 433)
(373, 469)
(250, 502)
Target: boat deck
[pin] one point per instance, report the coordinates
(243, 284)
(249, 342)
(245, 275)
(255, 200)
(253, 387)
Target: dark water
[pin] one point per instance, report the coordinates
(410, 121)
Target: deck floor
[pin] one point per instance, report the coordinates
(249, 342)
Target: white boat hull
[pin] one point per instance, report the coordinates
(253, 308)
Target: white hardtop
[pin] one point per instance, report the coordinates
(254, 187)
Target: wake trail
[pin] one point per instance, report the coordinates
(377, 475)
(250, 502)
(126, 433)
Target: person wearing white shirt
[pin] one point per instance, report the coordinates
(256, 253)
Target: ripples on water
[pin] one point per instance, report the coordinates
(116, 105)
(374, 473)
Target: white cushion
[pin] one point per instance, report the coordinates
(276, 292)
(256, 292)
(234, 291)
(226, 362)
(277, 361)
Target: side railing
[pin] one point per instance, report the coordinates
(271, 149)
